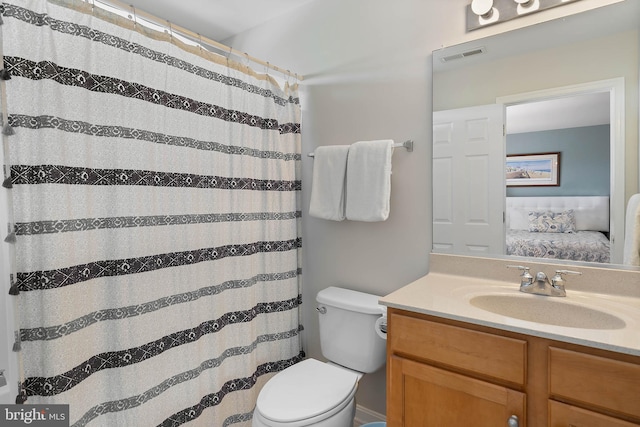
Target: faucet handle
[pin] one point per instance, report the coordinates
(561, 272)
(526, 277)
(520, 267)
(558, 282)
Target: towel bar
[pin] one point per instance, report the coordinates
(407, 144)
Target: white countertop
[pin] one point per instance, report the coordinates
(448, 295)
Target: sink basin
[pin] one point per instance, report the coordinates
(547, 310)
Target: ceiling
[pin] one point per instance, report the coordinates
(217, 19)
(568, 112)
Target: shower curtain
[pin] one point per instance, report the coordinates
(155, 190)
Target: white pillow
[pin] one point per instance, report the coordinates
(519, 218)
(552, 222)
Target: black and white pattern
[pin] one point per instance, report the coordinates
(156, 203)
(48, 70)
(51, 279)
(41, 19)
(85, 224)
(57, 174)
(119, 313)
(138, 400)
(40, 386)
(96, 130)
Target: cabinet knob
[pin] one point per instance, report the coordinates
(513, 421)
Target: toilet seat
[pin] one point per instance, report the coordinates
(306, 392)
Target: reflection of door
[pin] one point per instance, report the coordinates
(468, 180)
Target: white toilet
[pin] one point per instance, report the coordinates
(315, 393)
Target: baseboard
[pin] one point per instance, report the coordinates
(364, 415)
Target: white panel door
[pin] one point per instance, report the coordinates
(469, 180)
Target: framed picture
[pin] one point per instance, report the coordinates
(526, 170)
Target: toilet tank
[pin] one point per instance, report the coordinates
(347, 329)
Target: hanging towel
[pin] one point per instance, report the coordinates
(632, 232)
(327, 186)
(369, 180)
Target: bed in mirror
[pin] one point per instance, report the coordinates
(535, 139)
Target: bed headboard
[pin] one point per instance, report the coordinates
(591, 212)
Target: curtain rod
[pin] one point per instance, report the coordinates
(195, 37)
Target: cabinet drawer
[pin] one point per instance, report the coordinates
(595, 381)
(561, 415)
(486, 354)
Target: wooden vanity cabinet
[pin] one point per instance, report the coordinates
(446, 373)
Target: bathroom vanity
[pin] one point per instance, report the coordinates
(465, 347)
(455, 364)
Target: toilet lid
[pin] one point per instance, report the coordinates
(305, 390)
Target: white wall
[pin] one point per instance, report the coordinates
(367, 68)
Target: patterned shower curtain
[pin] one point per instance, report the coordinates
(155, 192)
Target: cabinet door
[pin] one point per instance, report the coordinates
(561, 415)
(421, 395)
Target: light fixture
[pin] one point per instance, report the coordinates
(527, 6)
(482, 8)
(485, 11)
(481, 13)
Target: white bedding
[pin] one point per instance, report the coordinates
(591, 246)
(588, 243)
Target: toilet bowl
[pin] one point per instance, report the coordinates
(322, 394)
(310, 393)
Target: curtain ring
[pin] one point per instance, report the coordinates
(135, 17)
(200, 42)
(93, 5)
(229, 55)
(170, 31)
(266, 68)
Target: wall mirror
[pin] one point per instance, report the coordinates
(566, 89)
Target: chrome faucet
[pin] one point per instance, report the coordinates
(540, 285)
(557, 282)
(526, 279)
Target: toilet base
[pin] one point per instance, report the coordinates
(343, 418)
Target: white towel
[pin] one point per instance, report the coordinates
(327, 186)
(632, 232)
(369, 180)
